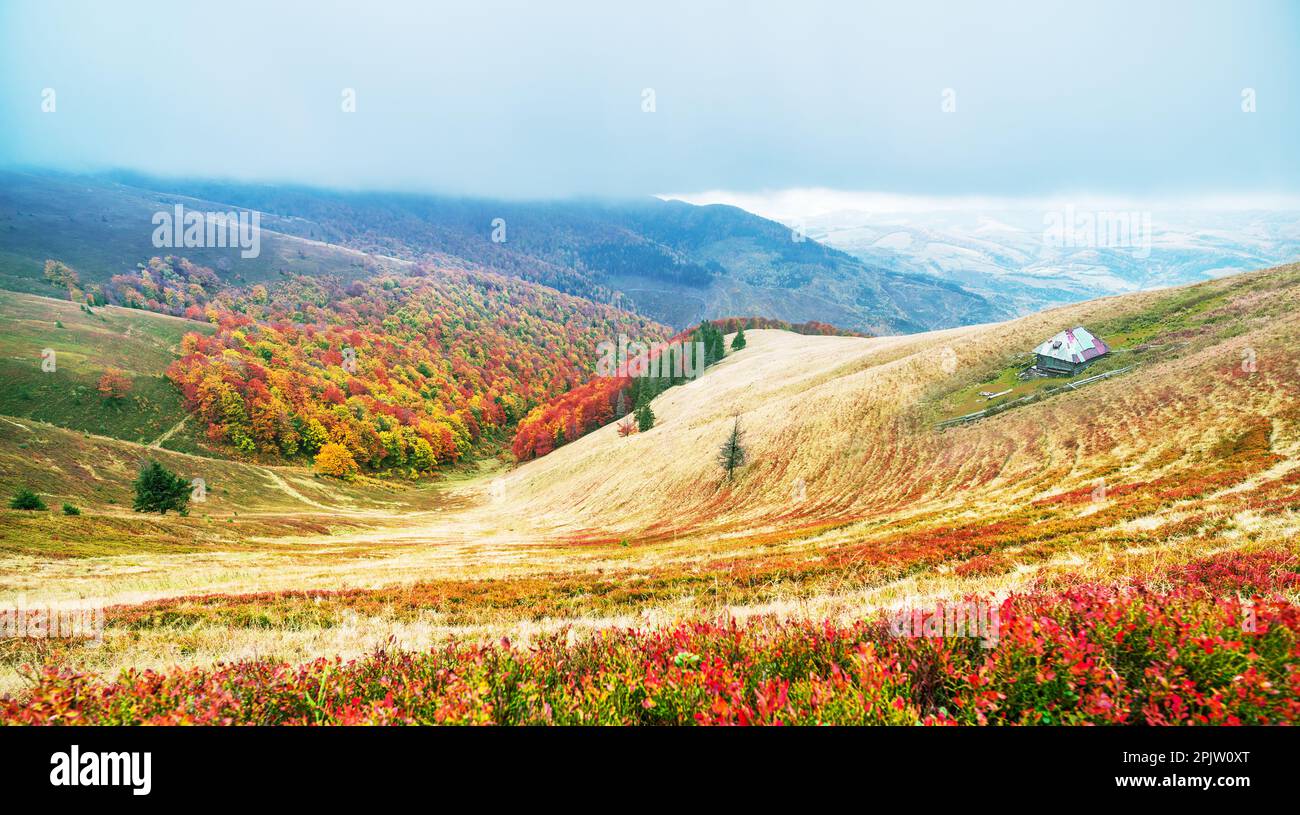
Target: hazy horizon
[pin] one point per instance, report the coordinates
(510, 101)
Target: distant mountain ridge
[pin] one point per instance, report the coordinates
(673, 262)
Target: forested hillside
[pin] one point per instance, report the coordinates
(401, 373)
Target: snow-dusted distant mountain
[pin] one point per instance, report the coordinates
(1023, 256)
(1027, 255)
(1026, 258)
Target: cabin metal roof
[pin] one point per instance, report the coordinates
(1073, 345)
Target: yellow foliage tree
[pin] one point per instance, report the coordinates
(336, 460)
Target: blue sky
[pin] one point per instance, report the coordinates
(542, 100)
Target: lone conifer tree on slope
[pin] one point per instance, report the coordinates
(732, 454)
(645, 418)
(738, 341)
(159, 489)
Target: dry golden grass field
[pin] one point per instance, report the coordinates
(851, 500)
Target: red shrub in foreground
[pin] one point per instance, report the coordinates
(1249, 572)
(1267, 572)
(1091, 655)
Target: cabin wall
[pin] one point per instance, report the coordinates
(1060, 366)
(1046, 363)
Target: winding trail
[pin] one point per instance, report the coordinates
(284, 487)
(157, 443)
(18, 425)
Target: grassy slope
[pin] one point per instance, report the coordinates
(140, 344)
(852, 418)
(1129, 335)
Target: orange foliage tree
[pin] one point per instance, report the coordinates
(336, 460)
(114, 384)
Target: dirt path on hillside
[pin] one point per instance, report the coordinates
(284, 487)
(157, 443)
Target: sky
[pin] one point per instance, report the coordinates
(542, 100)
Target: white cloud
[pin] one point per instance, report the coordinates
(811, 202)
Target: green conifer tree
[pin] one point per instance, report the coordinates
(645, 418)
(159, 489)
(732, 454)
(738, 341)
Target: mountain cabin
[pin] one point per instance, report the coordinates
(1069, 352)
